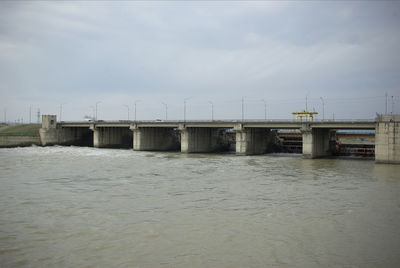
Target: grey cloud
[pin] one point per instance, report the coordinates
(219, 52)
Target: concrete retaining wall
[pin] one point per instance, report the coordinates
(18, 141)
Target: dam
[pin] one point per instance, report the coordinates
(251, 137)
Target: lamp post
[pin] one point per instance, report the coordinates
(386, 95)
(307, 102)
(212, 110)
(60, 111)
(323, 109)
(243, 108)
(96, 110)
(184, 109)
(93, 114)
(265, 109)
(61, 107)
(135, 103)
(166, 110)
(127, 106)
(392, 105)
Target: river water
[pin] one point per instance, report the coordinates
(87, 207)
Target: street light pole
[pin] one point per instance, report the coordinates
(166, 110)
(323, 109)
(135, 107)
(93, 117)
(127, 106)
(96, 109)
(243, 108)
(386, 95)
(212, 110)
(184, 109)
(392, 104)
(61, 111)
(307, 102)
(265, 109)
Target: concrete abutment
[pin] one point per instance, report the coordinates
(387, 139)
(51, 134)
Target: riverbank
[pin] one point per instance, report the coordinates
(19, 135)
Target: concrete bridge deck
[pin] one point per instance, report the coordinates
(270, 124)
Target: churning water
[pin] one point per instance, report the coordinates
(87, 207)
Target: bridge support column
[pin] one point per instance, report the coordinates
(315, 142)
(387, 139)
(111, 137)
(154, 139)
(252, 141)
(199, 139)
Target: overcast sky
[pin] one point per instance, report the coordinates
(76, 54)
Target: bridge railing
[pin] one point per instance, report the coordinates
(222, 120)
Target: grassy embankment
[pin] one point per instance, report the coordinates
(31, 130)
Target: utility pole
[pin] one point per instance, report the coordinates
(166, 110)
(265, 109)
(5, 116)
(30, 114)
(323, 109)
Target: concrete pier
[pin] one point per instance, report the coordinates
(315, 142)
(252, 141)
(111, 137)
(199, 139)
(387, 139)
(154, 139)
